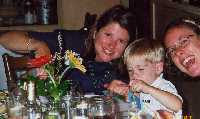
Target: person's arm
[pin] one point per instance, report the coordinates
(163, 114)
(167, 99)
(21, 42)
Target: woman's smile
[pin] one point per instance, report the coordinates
(188, 62)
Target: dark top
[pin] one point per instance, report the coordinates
(97, 75)
(71, 39)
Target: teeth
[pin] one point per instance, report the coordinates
(187, 60)
(107, 51)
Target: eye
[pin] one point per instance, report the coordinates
(141, 69)
(130, 70)
(108, 34)
(184, 42)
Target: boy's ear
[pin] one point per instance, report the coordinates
(159, 67)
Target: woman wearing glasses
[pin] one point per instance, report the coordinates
(182, 41)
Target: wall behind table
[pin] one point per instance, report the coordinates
(72, 12)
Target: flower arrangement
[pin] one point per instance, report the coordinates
(55, 86)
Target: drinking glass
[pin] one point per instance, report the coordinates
(16, 108)
(55, 111)
(102, 108)
(80, 108)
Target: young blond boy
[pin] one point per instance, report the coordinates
(144, 59)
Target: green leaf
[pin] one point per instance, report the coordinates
(40, 88)
(55, 94)
(31, 78)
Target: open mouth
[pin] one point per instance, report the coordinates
(189, 61)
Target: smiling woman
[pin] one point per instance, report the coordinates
(186, 59)
(182, 41)
(110, 42)
(105, 44)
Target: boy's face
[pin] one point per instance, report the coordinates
(140, 69)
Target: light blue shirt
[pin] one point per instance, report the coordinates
(3, 79)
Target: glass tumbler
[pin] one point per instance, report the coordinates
(16, 108)
(102, 108)
(80, 108)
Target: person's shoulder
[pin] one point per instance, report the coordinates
(163, 84)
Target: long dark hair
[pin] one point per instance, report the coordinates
(118, 14)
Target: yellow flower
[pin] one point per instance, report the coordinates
(74, 61)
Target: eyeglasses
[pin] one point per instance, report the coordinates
(182, 43)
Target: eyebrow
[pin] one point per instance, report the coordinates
(185, 36)
(137, 66)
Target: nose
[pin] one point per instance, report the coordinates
(112, 44)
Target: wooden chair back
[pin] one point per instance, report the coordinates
(14, 65)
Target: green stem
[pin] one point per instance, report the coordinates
(63, 73)
(51, 77)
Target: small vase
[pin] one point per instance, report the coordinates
(55, 112)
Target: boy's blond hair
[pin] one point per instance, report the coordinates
(151, 50)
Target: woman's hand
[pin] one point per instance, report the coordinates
(118, 87)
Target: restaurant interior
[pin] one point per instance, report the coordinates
(152, 16)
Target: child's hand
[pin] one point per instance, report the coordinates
(163, 114)
(139, 86)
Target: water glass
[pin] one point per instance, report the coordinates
(55, 111)
(102, 108)
(80, 108)
(16, 108)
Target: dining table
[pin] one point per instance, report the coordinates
(73, 107)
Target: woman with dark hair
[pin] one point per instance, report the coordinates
(182, 42)
(105, 45)
(119, 15)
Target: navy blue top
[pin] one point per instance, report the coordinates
(97, 75)
(71, 39)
